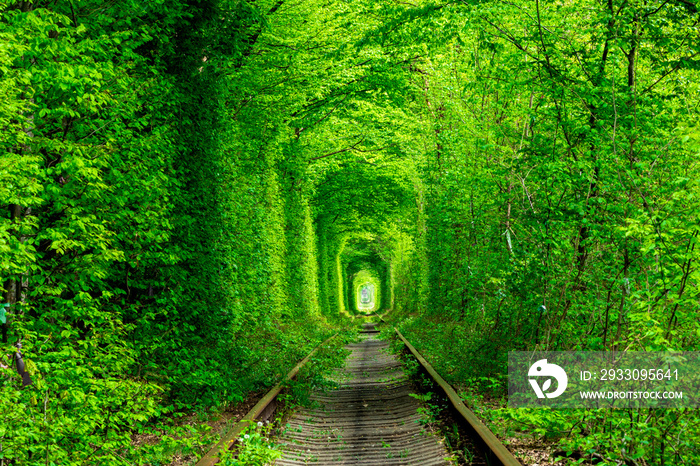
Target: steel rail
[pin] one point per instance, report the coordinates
(229, 440)
(496, 453)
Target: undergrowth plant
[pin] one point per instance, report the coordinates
(183, 441)
(254, 447)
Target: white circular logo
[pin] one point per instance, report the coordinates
(543, 369)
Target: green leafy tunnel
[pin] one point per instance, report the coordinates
(195, 193)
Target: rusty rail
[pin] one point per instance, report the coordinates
(229, 440)
(496, 453)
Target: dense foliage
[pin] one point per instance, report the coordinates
(193, 193)
(561, 191)
(157, 250)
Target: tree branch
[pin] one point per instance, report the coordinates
(337, 151)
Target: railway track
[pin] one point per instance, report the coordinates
(371, 417)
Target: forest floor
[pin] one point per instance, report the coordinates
(532, 452)
(218, 424)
